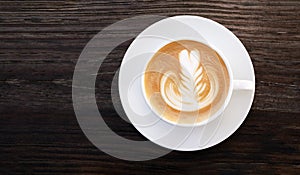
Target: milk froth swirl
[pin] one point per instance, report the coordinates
(186, 82)
(192, 89)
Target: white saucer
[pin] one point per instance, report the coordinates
(151, 125)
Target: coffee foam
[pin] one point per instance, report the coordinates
(192, 89)
(191, 80)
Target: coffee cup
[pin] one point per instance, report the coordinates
(175, 102)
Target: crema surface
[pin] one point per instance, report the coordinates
(186, 82)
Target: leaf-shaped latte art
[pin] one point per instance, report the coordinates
(191, 89)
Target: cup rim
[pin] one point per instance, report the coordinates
(212, 117)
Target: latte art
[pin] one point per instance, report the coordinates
(192, 89)
(186, 82)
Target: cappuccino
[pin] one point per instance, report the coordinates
(186, 82)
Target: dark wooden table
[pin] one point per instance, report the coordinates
(40, 42)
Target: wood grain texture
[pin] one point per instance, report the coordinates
(40, 42)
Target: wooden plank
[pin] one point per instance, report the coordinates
(40, 42)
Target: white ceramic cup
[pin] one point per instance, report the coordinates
(234, 84)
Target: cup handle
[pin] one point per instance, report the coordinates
(243, 85)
